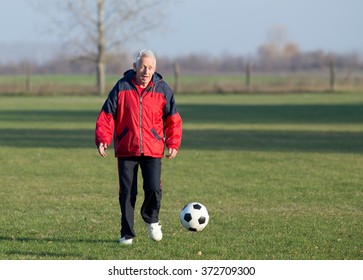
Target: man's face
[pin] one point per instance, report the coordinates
(145, 70)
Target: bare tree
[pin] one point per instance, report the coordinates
(277, 35)
(96, 28)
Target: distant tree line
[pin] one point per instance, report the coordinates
(267, 59)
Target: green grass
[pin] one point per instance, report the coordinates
(281, 176)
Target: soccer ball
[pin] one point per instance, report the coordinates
(194, 216)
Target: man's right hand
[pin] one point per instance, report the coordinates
(102, 149)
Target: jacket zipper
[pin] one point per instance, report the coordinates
(141, 144)
(140, 111)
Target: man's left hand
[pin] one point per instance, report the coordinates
(172, 153)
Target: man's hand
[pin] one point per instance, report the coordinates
(172, 153)
(102, 148)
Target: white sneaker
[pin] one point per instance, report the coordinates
(155, 231)
(125, 241)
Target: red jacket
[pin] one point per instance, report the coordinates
(138, 122)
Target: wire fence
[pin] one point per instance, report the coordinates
(319, 81)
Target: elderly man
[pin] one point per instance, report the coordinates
(141, 114)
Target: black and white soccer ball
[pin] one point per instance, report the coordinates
(194, 216)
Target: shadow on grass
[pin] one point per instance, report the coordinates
(211, 139)
(284, 141)
(41, 254)
(53, 116)
(207, 113)
(206, 139)
(62, 240)
(273, 114)
(48, 138)
(49, 254)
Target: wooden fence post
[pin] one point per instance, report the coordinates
(28, 74)
(332, 74)
(176, 77)
(248, 77)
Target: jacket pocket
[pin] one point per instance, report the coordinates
(156, 135)
(123, 133)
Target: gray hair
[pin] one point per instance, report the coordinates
(145, 53)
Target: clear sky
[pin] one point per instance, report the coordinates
(218, 27)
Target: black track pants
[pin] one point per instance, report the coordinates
(151, 174)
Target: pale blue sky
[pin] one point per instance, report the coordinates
(218, 27)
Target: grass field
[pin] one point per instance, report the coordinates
(281, 176)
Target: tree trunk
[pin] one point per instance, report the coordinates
(101, 63)
(101, 77)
